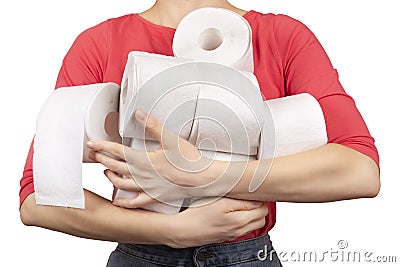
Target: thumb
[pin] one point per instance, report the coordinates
(141, 200)
(154, 127)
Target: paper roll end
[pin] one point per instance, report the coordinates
(54, 201)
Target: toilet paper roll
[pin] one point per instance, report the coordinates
(226, 121)
(214, 155)
(141, 67)
(69, 118)
(174, 108)
(299, 125)
(215, 35)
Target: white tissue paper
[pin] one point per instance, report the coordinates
(140, 67)
(298, 123)
(215, 35)
(225, 121)
(70, 117)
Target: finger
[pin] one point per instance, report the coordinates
(155, 128)
(247, 221)
(248, 216)
(115, 149)
(110, 163)
(141, 200)
(258, 213)
(241, 205)
(122, 183)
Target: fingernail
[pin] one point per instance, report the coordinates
(91, 144)
(140, 115)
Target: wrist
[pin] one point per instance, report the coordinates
(223, 177)
(173, 232)
(210, 177)
(151, 228)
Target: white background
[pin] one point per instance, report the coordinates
(361, 38)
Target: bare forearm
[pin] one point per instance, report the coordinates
(330, 173)
(100, 220)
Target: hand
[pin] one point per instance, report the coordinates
(222, 220)
(166, 174)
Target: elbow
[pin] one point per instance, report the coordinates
(368, 178)
(25, 216)
(374, 183)
(27, 212)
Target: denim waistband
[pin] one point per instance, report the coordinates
(208, 255)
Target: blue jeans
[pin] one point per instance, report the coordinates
(247, 253)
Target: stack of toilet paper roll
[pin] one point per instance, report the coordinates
(206, 94)
(222, 123)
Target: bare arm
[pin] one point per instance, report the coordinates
(100, 220)
(332, 172)
(222, 220)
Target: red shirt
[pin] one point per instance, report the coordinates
(288, 60)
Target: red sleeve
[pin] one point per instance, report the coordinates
(307, 69)
(84, 63)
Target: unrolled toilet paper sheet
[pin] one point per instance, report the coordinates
(64, 125)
